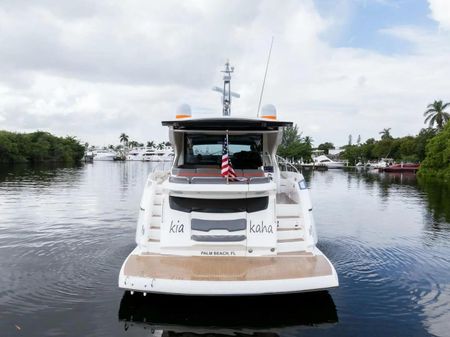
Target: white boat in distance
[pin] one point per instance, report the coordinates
(331, 164)
(135, 154)
(104, 155)
(163, 155)
(148, 155)
(202, 231)
(151, 154)
(382, 163)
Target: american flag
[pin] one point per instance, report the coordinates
(227, 168)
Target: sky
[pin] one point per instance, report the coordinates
(95, 69)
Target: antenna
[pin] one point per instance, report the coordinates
(220, 90)
(265, 75)
(226, 91)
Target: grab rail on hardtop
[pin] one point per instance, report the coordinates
(288, 166)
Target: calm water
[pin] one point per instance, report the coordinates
(64, 233)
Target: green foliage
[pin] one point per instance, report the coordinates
(290, 135)
(326, 147)
(406, 149)
(294, 146)
(38, 147)
(352, 153)
(422, 140)
(383, 148)
(437, 161)
(367, 149)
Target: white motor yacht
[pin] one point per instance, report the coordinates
(163, 155)
(331, 164)
(148, 155)
(135, 154)
(382, 163)
(229, 217)
(104, 155)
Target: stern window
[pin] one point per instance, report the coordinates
(245, 150)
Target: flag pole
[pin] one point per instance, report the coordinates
(228, 156)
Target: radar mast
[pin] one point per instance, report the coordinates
(226, 91)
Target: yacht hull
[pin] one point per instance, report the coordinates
(212, 276)
(335, 165)
(106, 158)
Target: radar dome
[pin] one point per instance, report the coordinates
(184, 111)
(268, 111)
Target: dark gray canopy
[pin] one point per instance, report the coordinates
(226, 123)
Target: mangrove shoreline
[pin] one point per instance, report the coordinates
(39, 147)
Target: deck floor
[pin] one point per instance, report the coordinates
(210, 268)
(283, 198)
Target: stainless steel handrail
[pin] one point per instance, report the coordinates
(161, 166)
(282, 161)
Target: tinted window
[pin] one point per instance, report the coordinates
(203, 149)
(218, 205)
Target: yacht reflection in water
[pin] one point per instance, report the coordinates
(166, 315)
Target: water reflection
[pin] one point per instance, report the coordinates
(65, 231)
(438, 198)
(386, 182)
(245, 316)
(43, 174)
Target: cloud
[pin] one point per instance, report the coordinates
(96, 69)
(440, 11)
(118, 45)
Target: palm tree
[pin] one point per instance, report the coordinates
(436, 114)
(308, 140)
(160, 146)
(151, 144)
(124, 138)
(133, 143)
(385, 133)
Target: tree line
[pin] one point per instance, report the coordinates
(38, 147)
(430, 147)
(405, 149)
(125, 141)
